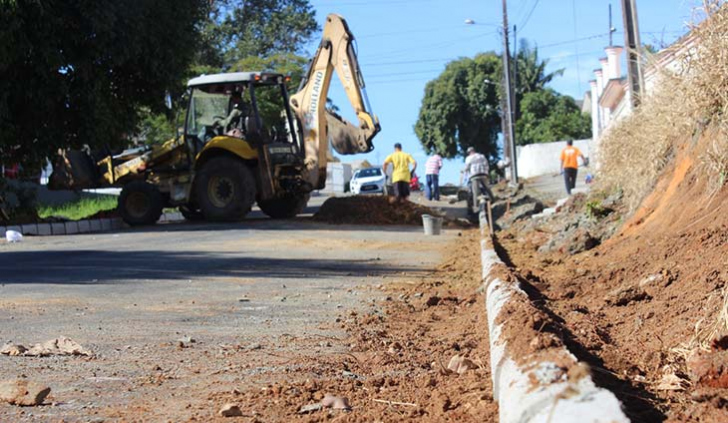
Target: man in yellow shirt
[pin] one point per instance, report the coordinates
(570, 164)
(401, 173)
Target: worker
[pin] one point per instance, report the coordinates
(401, 173)
(478, 170)
(432, 177)
(570, 164)
(238, 109)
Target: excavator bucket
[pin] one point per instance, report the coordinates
(347, 138)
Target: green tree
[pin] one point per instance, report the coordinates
(460, 108)
(77, 72)
(237, 29)
(532, 74)
(547, 116)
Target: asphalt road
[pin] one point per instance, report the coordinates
(129, 296)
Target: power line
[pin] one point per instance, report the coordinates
(523, 25)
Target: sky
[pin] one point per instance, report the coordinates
(403, 44)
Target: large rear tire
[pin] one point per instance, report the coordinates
(225, 189)
(284, 207)
(140, 203)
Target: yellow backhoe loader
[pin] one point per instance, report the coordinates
(236, 149)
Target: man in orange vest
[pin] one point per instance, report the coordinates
(570, 164)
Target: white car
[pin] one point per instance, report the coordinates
(368, 181)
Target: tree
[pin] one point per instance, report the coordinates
(237, 29)
(532, 74)
(76, 72)
(460, 108)
(547, 116)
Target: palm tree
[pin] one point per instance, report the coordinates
(532, 74)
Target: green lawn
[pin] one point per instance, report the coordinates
(86, 206)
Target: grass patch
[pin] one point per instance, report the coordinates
(87, 205)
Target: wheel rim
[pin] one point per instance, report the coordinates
(221, 191)
(137, 204)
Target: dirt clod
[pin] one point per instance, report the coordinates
(23, 392)
(230, 410)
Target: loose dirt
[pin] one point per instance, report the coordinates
(371, 210)
(642, 307)
(396, 364)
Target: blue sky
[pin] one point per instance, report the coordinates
(405, 43)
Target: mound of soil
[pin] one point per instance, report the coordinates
(644, 304)
(371, 210)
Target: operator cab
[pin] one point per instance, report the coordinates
(250, 106)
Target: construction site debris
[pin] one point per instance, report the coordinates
(459, 364)
(23, 392)
(57, 346)
(371, 210)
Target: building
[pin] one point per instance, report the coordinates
(610, 95)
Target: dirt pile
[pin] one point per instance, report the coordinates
(647, 303)
(371, 210)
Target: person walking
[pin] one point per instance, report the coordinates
(477, 168)
(432, 177)
(401, 173)
(570, 164)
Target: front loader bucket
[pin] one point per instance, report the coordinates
(73, 169)
(347, 138)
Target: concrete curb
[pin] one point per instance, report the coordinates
(540, 390)
(80, 226)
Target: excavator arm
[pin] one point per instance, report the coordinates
(336, 51)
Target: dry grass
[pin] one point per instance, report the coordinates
(687, 100)
(713, 326)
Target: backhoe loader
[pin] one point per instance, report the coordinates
(235, 149)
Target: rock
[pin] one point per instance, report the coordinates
(310, 408)
(336, 403)
(23, 392)
(460, 364)
(625, 295)
(13, 349)
(58, 346)
(650, 280)
(581, 241)
(433, 301)
(230, 410)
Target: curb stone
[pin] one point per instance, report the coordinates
(537, 391)
(81, 226)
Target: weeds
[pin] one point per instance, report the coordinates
(688, 97)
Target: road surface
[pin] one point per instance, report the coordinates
(174, 303)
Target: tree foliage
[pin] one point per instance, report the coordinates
(547, 116)
(238, 29)
(77, 72)
(460, 108)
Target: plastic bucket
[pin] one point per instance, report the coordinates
(432, 224)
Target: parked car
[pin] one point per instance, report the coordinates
(368, 181)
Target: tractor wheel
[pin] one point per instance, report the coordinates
(225, 189)
(191, 213)
(140, 203)
(284, 207)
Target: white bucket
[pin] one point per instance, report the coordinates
(432, 224)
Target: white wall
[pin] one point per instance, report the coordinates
(337, 175)
(544, 158)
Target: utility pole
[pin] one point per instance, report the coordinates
(634, 50)
(515, 76)
(611, 27)
(508, 91)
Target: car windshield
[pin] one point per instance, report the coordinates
(365, 173)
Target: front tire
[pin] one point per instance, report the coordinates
(225, 189)
(140, 203)
(284, 207)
